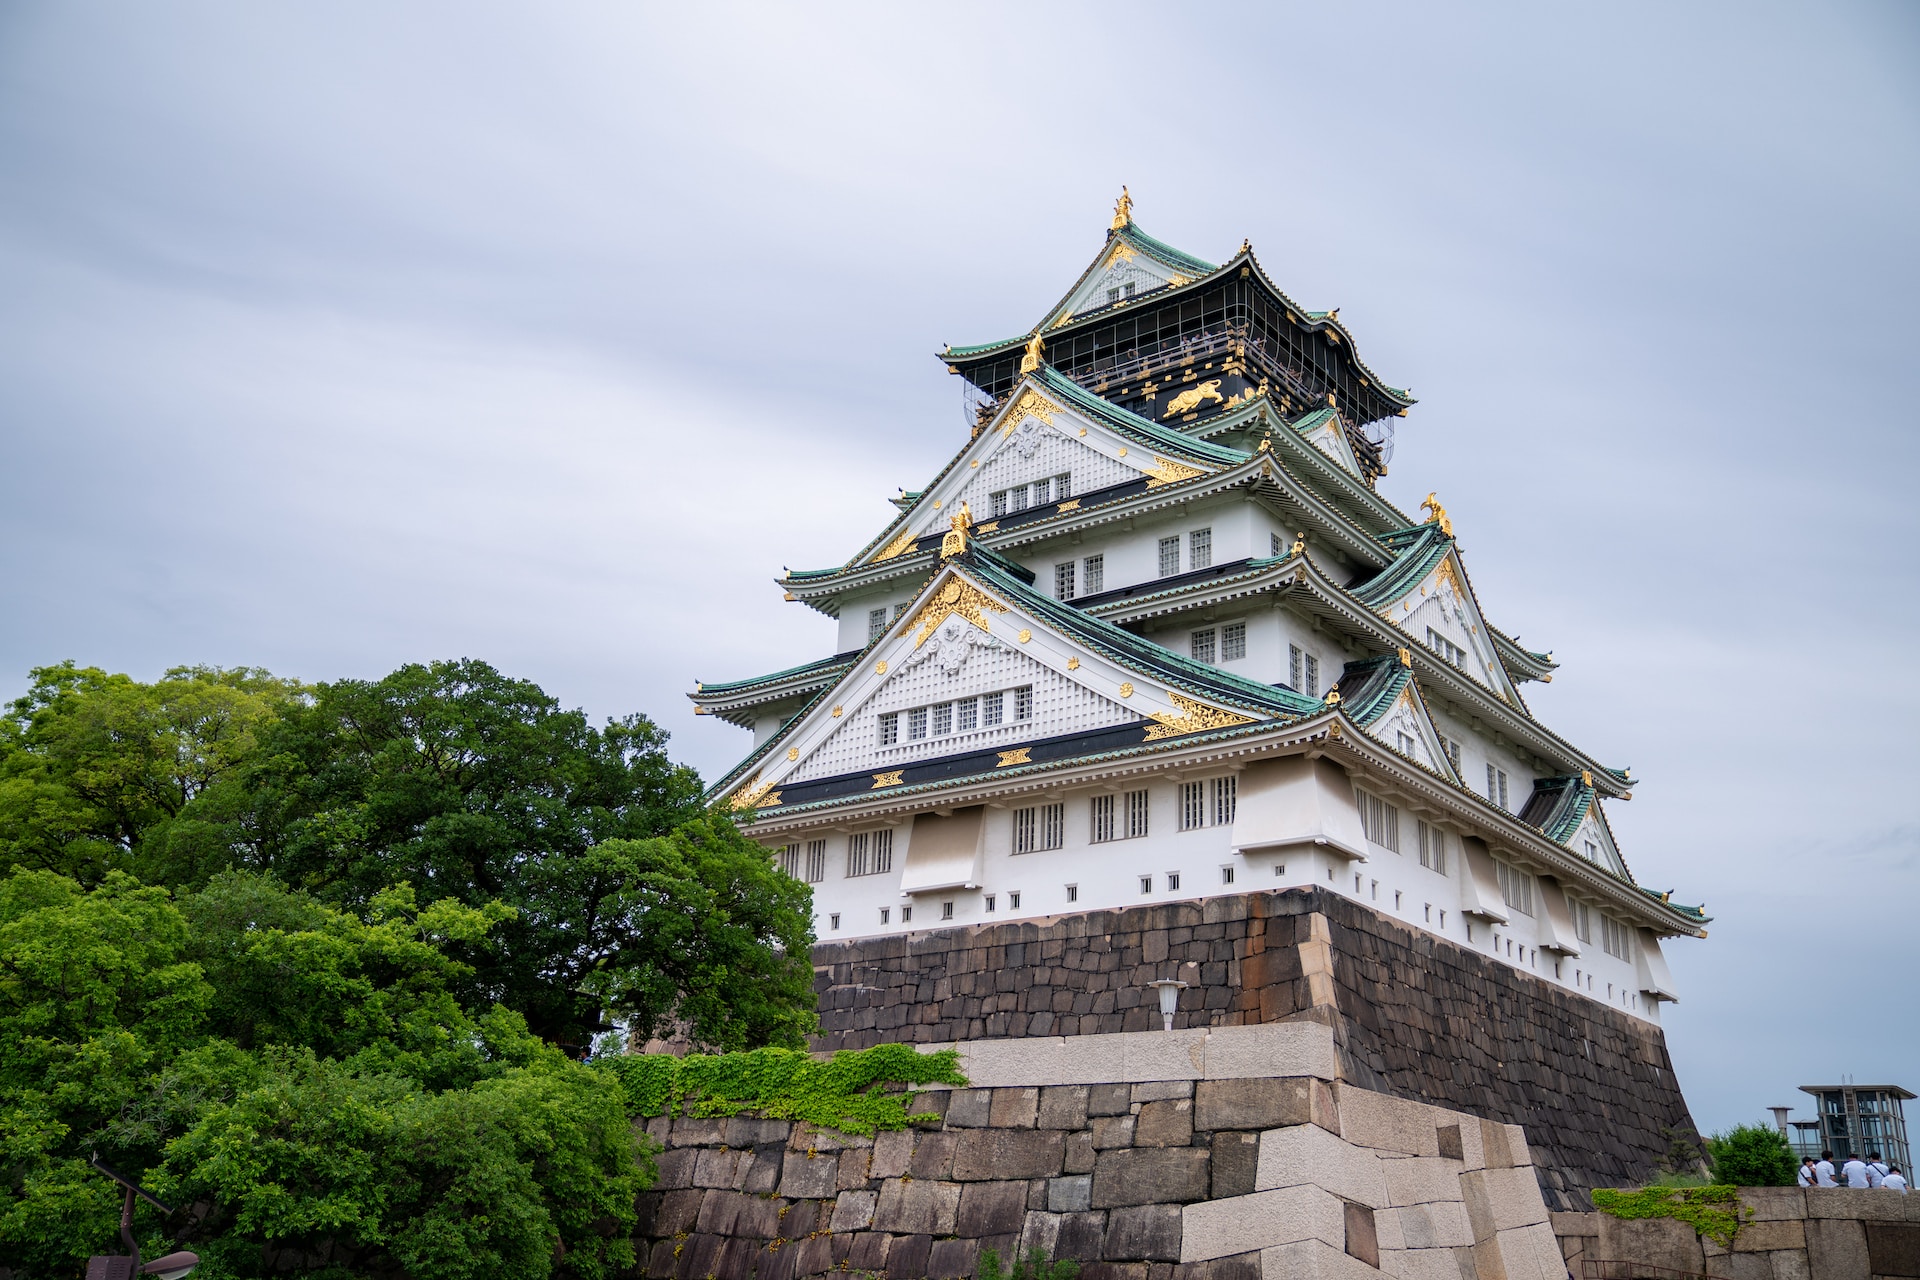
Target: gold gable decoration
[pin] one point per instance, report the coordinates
(755, 794)
(1031, 405)
(954, 541)
(898, 547)
(957, 597)
(1194, 717)
(1166, 471)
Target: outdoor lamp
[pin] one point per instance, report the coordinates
(174, 1266)
(1169, 990)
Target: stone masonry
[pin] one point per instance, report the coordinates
(1414, 1015)
(1151, 1156)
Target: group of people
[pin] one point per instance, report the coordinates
(1861, 1175)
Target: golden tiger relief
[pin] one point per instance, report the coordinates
(1191, 398)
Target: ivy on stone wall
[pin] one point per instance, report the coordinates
(856, 1091)
(1714, 1212)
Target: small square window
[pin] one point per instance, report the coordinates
(906, 915)
(990, 704)
(1073, 893)
(1094, 577)
(1063, 486)
(1233, 642)
(1169, 556)
(1173, 882)
(1279, 868)
(917, 724)
(1226, 875)
(1200, 549)
(889, 728)
(876, 623)
(946, 911)
(999, 504)
(966, 714)
(1146, 884)
(988, 902)
(1013, 902)
(885, 914)
(1023, 702)
(833, 921)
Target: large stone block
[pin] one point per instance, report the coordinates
(1142, 1175)
(917, 1208)
(1112, 1131)
(992, 1208)
(1443, 1225)
(1164, 1124)
(892, 1152)
(718, 1168)
(1861, 1206)
(1071, 1194)
(1109, 1099)
(809, 1178)
(1893, 1248)
(1655, 1242)
(1511, 1195)
(1014, 1108)
(675, 1168)
(1430, 1264)
(745, 1131)
(1082, 1236)
(933, 1156)
(1042, 1232)
(762, 1175)
(1363, 1239)
(1764, 1235)
(678, 1212)
(1775, 1204)
(1421, 1180)
(1252, 1104)
(987, 1154)
(855, 1168)
(1160, 1090)
(1063, 1107)
(969, 1108)
(1220, 1228)
(1315, 1260)
(853, 1210)
(950, 1259)
(1148, 1233)
(1306, 1153)
(1370, 1119)
(1236, 1164)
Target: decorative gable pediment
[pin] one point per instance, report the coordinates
(1329, 435)
(1593, 840)
(1121, 272)
(1407, 727)
(1440, 613)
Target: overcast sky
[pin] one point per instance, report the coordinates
(339, 336)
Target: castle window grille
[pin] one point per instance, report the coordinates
(1023, 702)
(1380, 819)
(1136, 815)
(1043, 491)
(1095, 578)
(1063, 576)
(990, 705)
(1053, 829)
(1193, 805)
(1039, 828)
(1017, 498)
(1063, 486)
(816, 861)
(889, 728)
(1582, 919)
(789, 858)
(917, 724)
(1233, 642)
(1446, 648)
(1204, 645)
(1497, 786)
(1408, 747)
(998, 499)
(1146, 885)
(967, 714)
(900, 609)
(1173, 882)
(942, 719)
(1013, 901)
(1516, 888)
(1614, 940)
(1275, 544)
(876, 623)
(858, 853)
(1226, 800)
(1226, 875)
(1200, 549)
(1102, 828)
(1313, 675)
(1433, 848)
(1169, 556)
(1294, 658)
(1073, 893)
(1024, 823)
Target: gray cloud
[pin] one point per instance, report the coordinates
(336, 338)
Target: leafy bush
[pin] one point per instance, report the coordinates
(848, 1092)
(1714, 1212)
(1033, 1267)
(1752, 1155)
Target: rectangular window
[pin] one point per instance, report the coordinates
(1146, 884)
(889, 728)
(1380, 819)
(1433, 848)
(987, 904)
(1226, 875)
(859, 857)
(1136, 814)
(1408, 747)
(942, 719)
(1043, 492)
(1233, 642)
(1593, 851)
(946, 911)
(1446, 648)
(869, 853)
(1204, 646)
(833, 922)
(1169, 557)
(966, 714)
(1073, 893)
(900, 609)
(1025, 825)
(1013, 902)
(999, 503)
(876, 623)
(1128, 288)
(1313, 676)
(1017, 499)
(883, 850)
(1613, 938)
(1102, 829)
(1226, 800)
(1516, 888)
(1294, 668)
(906, 915)
(917, 724)
(1276, 545)
(1053, 827)
(990, 709)
(1063, 486)
(1200, 549)
(1497, 786)
(1113, 294)
(788, 857)
(1582, 919)
(1452, 747)
(1095, 577)
(1063, 575)
(816, 861)
(1173, 882)
(886, 913)
(1023, 702)
(1039, 828)
(1193, 805)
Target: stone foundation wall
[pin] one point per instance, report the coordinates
(1794, 1234)
(1156, 1156)
(1414, 1015)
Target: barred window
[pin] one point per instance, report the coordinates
(876, 623)
(1203, 645)
(1303, 671)
(946, 911)
(1582, 919)
(1614, 940)
(788, 857)
(1063, 486)
(1039, 828)
(1433, 848)
(1095, 577)
(1276, 545)
(1169, 556)
(1136, 814)
(1023, 702)
(1446, 648)
(1516, 888)
(859, 857)
(889, 728)
(1380, 819)
(883, 850)
(1043, 492)
(967, 714)
(942, 719)
(998, 501)
(917, 723)
(1193, 805)
(1102, 820)
(1497, 786)
(1313, 675)
(1200, 549)
(816, 861)
(1063, 575)
(869, 853)
(1173, 882)
(1294, 658)
(990, 708)
(1226, 800)
(1017, 498)
(1146, 884)
(1226, 875)
(1233, 641)
(1073, 893)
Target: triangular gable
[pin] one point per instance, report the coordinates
(1326, 432)
(1437, 609)
(1131, 263)
(963, 637)
(1593, 840)
(1407, 727)
(1041, 434)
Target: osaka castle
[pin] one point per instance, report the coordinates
(1153, 634)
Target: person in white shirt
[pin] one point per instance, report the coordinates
(1893, 1181)
(1806, 1171)
(1855, 1172)
(1823, 1172)
(1876, 1168)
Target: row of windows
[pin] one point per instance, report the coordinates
(1227, 644)
(877, 620)
(1209, 802)
(1039, 828)
(1079, 578)
(1199, 552)
(869, 853)
(962, 715)
(1119, 817)
(1303, 671)
(1038, 494)
(1446, 649)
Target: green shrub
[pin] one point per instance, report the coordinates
(1752, 1155)
(1715, 1212)
(1033, 1267)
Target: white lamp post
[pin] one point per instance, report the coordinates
(1169, 990)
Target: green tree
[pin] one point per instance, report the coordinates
(1752, 1155)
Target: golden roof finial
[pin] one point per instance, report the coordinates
(1406, 657)
(1031, 361)
(955, 541)
(1586, 777)
(1246, 245)
(1333, 696)
(1437, 514)
(1122, 210)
